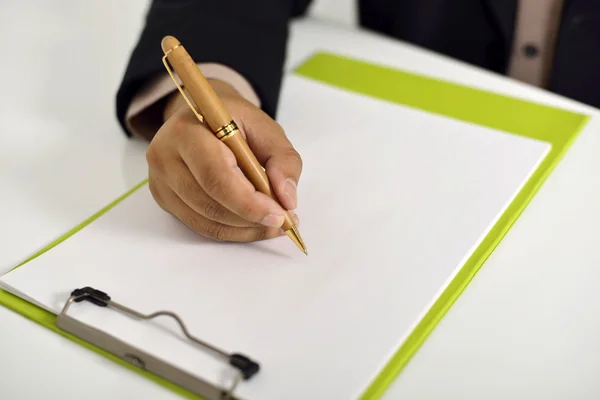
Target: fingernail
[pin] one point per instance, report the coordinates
(273, 221)
(291, 191)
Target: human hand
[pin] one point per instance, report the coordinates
(194, 176)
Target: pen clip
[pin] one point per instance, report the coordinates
(189, 103)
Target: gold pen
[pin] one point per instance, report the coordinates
(212, 110)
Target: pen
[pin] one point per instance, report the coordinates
(212, 110)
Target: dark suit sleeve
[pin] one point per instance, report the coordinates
(249, 36)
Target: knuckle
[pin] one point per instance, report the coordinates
(192, 222)
(213, 210)
(152, 185)
(261, 234)
(293, 154)
(178, 123)
(279, 128)
(185, 185)
(249, 210)
(212, 182)
(154, 157)
(217, 232)
(290, 154)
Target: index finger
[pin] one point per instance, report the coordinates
(215, 168)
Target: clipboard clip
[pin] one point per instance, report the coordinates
(245, 367)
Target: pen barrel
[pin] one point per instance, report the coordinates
(196, 85)
(253, 170)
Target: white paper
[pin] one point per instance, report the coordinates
(392, 201)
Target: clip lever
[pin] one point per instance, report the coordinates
(246, 368)
(189, 103)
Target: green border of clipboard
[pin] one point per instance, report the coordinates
(555, 126)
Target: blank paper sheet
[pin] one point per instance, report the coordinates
(392, 201)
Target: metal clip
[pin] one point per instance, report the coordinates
(244, 366)
(189, 103)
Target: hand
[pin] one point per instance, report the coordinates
(194, 176)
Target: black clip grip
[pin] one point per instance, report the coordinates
(92, 295)
(245, 365)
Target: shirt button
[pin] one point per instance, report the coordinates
(531, 50)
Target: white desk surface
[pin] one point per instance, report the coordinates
(525, 328)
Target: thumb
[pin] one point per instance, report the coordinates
(283, 169)
(276, 153)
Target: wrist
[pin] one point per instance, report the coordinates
(223, 88)
(175, 100)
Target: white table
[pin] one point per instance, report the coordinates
(526, 327)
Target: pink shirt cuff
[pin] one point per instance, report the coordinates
(143, 118)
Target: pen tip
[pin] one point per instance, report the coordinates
(297, 239)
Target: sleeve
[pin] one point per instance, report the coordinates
(245, 36)
(144, 114)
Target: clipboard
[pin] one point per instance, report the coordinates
(557, 127)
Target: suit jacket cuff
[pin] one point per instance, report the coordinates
(144, 114)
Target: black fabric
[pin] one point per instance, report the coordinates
(468, 30)
(576, 69)
(250, 36)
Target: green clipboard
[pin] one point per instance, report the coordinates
(555, 126)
